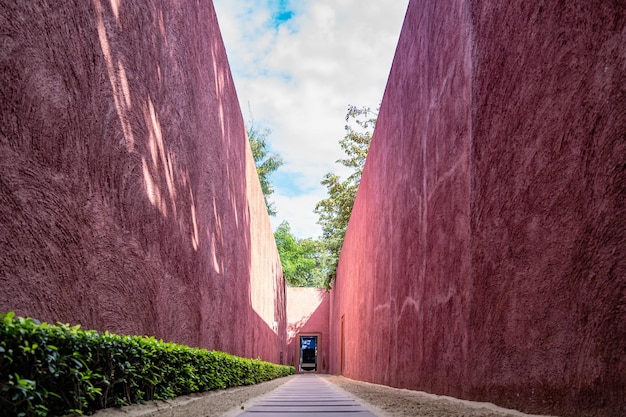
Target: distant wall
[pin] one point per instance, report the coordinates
(485, 256)
(128, 195)
(308, 312)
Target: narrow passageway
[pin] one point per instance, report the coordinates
(307, 395)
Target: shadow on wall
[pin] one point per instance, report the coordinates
(125, 199)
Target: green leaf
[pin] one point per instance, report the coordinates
(80, 371)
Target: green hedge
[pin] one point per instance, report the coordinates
(59, 369)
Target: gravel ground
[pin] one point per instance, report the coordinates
(381, 400)
(394, 402)
(222, 403)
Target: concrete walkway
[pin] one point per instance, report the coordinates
(307, 395)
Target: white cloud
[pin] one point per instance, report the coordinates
(298, 211)
(299, 78)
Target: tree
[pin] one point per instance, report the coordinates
(334, 211)
(301, 259)
(266, 162)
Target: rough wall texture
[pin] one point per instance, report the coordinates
(128, 198)
(548, 209)
(308, 312)
(406, 252)
(487, 242)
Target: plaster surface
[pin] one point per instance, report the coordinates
(128, 196)
(485, 253)
(548, 312)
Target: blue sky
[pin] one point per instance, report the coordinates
(282, 14)
(297, 65)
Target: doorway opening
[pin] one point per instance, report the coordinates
(343, 344)
(308, 349)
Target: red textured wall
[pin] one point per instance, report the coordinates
(128, 198)
(548, 215)
(308, 312)
(487, 242)
(402, 281)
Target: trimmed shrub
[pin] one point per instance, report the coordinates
(52, 370)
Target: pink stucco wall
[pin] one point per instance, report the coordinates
(308, 312)
(485, 255)
(128, 196)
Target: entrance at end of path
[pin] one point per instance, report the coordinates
(308, 353)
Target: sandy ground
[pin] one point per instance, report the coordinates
(222, 403)
(381, 400)
(394, 402)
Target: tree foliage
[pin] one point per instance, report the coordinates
(302, 260)
(266, 162)
(334, 211)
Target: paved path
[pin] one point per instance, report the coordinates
(307, 395)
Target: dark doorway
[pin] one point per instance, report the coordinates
(308, 353)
